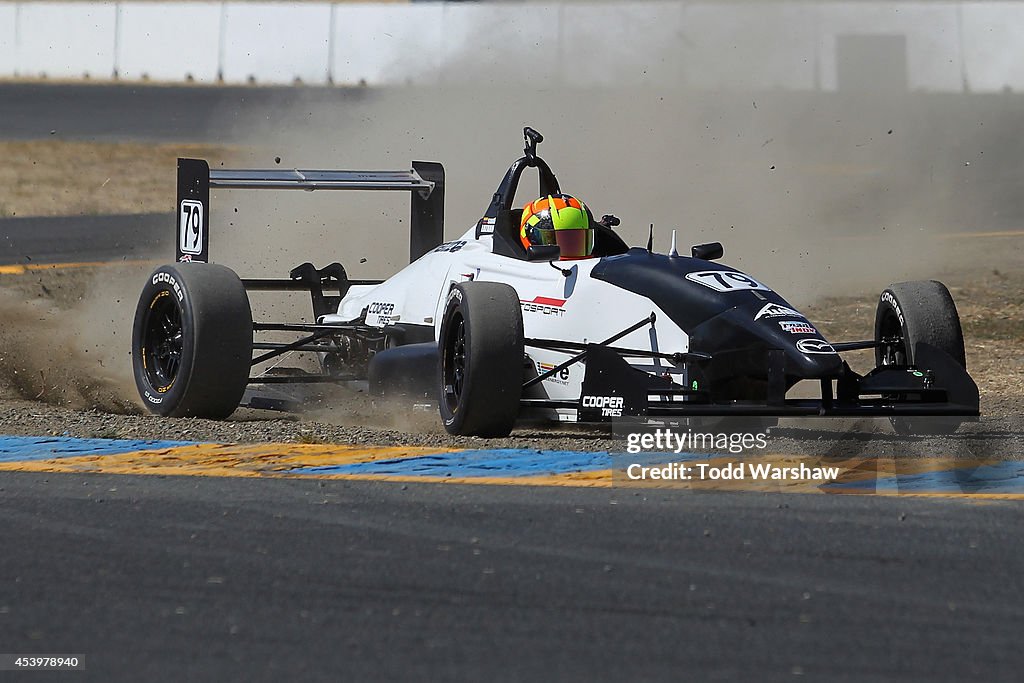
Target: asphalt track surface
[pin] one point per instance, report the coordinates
(184, 578)
(34, 111)
(194, 578)
(85, 239)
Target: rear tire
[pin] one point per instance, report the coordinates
(913, 312)
(481, 371)
(192, 341)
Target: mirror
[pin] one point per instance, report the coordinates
(544, 252)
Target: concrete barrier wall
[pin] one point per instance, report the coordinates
(276, 42)
(949, 46)
(175, 41)
(65, 40)
(8, 41)
(388, 44)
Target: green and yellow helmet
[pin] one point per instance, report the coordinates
(558, 219)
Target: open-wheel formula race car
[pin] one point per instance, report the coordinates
(495, 331)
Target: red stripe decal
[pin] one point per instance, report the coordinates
(545, 301)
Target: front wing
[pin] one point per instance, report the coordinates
(936, 386)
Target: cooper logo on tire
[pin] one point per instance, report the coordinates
(169, 279)
(888, 298)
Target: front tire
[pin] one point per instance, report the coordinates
(481, 346)
(912, 312)
(909, 313)
(192, 341)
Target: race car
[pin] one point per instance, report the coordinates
(495, 330)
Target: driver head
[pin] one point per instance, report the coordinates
(558, 219)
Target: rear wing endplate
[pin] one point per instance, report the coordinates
(425, 181)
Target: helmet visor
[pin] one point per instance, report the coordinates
(575, 243)
(539, 236)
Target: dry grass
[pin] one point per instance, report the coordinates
(53, 177)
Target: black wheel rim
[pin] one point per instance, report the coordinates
(454, 363)
(162, 341)
(890, 332)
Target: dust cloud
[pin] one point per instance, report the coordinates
(66, 338)
(817, 194)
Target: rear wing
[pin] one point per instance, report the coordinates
(425, 181)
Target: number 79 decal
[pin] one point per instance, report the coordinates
(725, 280)
(190, 227)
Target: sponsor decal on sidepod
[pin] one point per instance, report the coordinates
(561, 377)
(611, 406)
(544, 306)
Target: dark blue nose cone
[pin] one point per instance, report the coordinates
(727, 314)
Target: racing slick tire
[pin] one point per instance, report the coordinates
(192, 341)
(481, 368)
(914, 312)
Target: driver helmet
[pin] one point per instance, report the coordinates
(558, 219)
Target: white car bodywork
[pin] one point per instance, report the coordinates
(573, 307)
